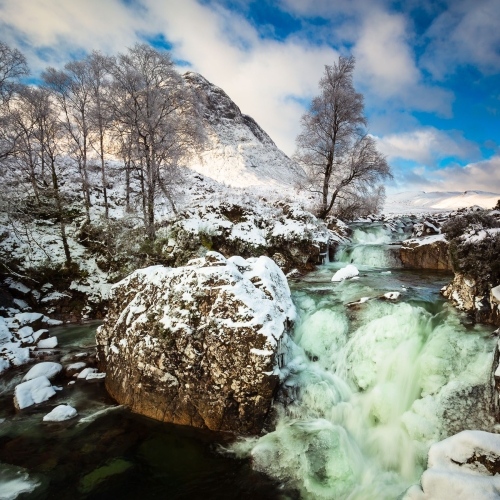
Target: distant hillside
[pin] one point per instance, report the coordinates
(239, 153)
(420, 201)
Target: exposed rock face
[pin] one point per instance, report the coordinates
(465, 293)
(199, 345)
(426, 253)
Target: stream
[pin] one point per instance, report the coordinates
(370, 385)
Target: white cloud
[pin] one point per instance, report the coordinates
(387, 67)
(467, 32)
(427, 146)
(478, 176)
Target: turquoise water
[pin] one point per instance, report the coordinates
(368, 387)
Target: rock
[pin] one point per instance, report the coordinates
(426, 253)
(32, 392)
(463, 467)
(199, 345)
(345, 273)
(60, 413)
(74, 368)
(48, 343)
(47, 368)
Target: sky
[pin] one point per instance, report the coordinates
(429, 69)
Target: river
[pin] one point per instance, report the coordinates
(370, 385)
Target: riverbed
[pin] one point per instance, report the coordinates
(371, 382)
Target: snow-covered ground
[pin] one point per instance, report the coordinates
(418, 202)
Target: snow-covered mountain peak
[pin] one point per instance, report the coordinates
(238, 151)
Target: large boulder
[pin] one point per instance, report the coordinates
(199, 345)
(426, 253)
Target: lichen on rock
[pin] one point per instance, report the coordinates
(199, 345)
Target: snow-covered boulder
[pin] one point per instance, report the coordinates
(345, 273)
(47, 369)
(60, 413)
(430, 252)
(48, 343)
(33, 392)
(199, 345)
(463, 467)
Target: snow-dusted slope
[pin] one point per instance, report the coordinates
(238, 152)
(417, 201)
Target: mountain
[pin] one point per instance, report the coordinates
(238, 152)
(418, 201)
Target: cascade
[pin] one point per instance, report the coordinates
(370, 386)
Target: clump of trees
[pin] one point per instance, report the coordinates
(130, 115)
(342, 164)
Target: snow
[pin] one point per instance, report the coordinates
(95, 376)
(24, 332)
(76, 366)
(392, 295)
(27, 318)
(345, 273)
(86, 372)
(495, 293)
(454, 472)
(46, 368)
(60, 413)
(239, 153)
(437, 201)
(426, 240)
(33, 392)
(49, 343)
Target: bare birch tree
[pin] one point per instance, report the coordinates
(150, 99)
(336, 154)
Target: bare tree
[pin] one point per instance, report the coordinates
(151, 100)
(51, 138)
(335, 153)
(13, 67)
(100, 114)
(71, 90)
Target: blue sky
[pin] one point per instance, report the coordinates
(429, 70)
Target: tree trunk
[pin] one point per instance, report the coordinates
(59, 206)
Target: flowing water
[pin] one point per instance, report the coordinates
(369, 385)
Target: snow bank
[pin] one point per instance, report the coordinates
(345, 273)
(33, 392)
(60, 413)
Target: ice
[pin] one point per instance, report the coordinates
(46, 368)
(60, 413)
(345, 273)
(49, 343)
(95, 376)
(33, 392)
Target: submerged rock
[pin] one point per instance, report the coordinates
(199, 345)
(426, 253)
